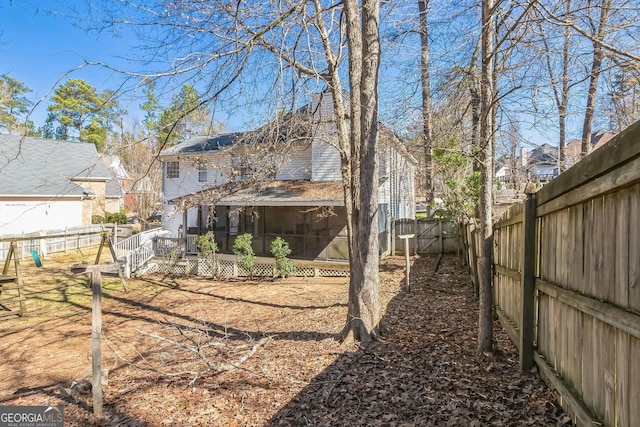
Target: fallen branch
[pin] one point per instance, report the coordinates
(442, 290)
(175, 353)
(197, 350)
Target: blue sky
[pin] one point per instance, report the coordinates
(38, 48)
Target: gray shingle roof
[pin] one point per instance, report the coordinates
(204, 143)
(45, 167)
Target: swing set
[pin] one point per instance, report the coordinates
(12, 298)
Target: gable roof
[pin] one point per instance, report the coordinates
(543, 155)
(47, 167)
(598, 139)
(204, 143)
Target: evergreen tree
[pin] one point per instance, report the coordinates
(13, 105)
(78, 111)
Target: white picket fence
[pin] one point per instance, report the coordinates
(52, 241)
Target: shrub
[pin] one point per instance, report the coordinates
(206, 245)
(243, 250)
(207, 248)
(110, 218)
(280, 250)
(97, 219)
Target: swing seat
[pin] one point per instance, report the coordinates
(36, 258)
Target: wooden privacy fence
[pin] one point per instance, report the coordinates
(567, 283)
(432, 236)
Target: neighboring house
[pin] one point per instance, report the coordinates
(115, 187)
(573, 148)
(48, 184)
(280, 180)
(541, 164)
(127, 192)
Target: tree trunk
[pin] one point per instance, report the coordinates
(564, 96)
(594, 76)
(362, 193)
(485, 323)
(427, 126)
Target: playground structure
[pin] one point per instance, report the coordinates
(12, 296)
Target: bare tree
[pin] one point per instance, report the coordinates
(427, 121)
(599, 30)
(485, 324)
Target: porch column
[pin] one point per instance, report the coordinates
(184, 233)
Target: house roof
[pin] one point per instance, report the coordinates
(296, 125)
(270, 193)
(598, 139)
(543, 155)
(46, 167)
(204, 143)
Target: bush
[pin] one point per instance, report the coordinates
(110, 218)
(116, 218)
(97, 219)
(283, 265)
(243, 250)
(206, 245)
(207, 248)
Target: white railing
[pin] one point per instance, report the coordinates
(138, 257)
(135, 251)
(176, 245)
(132, 243)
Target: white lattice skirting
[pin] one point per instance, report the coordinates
(229, 269)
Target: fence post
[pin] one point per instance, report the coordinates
(528, 284)
(473, 262)
(393, 237)
(96, 335)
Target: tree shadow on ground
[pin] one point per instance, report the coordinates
(424, 370)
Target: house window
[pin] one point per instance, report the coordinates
(173, 170)
(202, 174)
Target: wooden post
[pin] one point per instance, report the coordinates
(406, 257)
(406, 238)
(96, 334)
(184, 234)
(528, 284)
(7, 261)
(474, 259)
(16, 260)
(393, 237)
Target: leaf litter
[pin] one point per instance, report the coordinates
(423, 371)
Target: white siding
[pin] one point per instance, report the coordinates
(171, 219)
(187, 181)
(325, 155)
(19, 216)
(297, 166)
(402, 189)
(326, 159)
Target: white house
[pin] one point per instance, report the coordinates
(48, 184)
(280, 180)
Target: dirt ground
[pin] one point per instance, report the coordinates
(195, 352)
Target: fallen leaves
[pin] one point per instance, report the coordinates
(422, 372)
